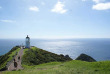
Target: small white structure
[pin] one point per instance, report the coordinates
(27, 42)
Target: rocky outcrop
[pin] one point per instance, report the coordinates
(84, 57)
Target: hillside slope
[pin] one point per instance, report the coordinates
(8, 57)
(38, 61)
(35, 56)
(70, 67)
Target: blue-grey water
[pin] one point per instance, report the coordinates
(99, 49)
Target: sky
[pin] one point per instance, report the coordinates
(54, 19)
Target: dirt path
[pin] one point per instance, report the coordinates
(16, 64)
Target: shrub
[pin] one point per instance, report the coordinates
(38, 56)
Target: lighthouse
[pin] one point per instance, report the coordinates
(27, 42)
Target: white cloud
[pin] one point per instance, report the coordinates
(102, 6)
(8, 21)
(59, 8)
(98, 1)
(34, 8)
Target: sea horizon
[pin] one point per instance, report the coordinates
(72, 47)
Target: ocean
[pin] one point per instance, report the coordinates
(98, 48)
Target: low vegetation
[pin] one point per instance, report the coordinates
(38, 61)
(69, 67)
(4, 59)
(35, 56)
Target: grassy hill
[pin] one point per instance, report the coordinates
(4, 59)
(38, 61)
(70, 67)
(35, 56)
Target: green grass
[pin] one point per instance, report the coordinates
(24, 51)
(71, 67)
(12, 54)
(33, 48)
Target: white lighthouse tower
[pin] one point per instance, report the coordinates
(27, 42)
